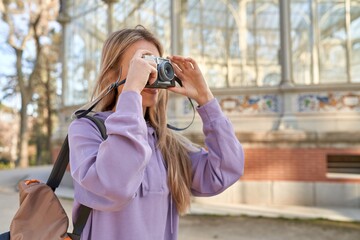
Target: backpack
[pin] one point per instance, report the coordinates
(40, 215)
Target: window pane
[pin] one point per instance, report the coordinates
(88, 29)
(332, 50)
(263, 42)
(153, 15)
(237, 43)
(85, 34)
(300, 36)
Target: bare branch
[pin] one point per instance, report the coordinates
(7, 19)
(31, 32)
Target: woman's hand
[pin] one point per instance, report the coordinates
(140, 72)
(194, 84)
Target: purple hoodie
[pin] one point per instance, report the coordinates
(123, 179)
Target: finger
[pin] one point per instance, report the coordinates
(177, 58)
(193, 63)
(185, 63)
(178, 90)
(180, 66)
(151, 63)
(153, 74)
(178, 71)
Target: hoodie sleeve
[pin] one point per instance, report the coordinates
(107, 174)
(222, 164)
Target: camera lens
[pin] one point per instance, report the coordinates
(166, 72)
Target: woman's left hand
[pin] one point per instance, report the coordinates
(194, 84)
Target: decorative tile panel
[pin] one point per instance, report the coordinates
(250, 104)
(329, 102)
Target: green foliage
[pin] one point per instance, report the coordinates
(4, 163)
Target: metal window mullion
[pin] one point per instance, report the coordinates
(227, 51)
(202, 30)
(348, 39)
(154, 16)
(255, 33)
(314, 42)
(242, 38)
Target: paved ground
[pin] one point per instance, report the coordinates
(207, 227)
(250, 228)
(198, 226)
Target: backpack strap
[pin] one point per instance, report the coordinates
(85, 211)
(62, 161)
(80, 222)
(58, 171)
(59, 167)
(100, 125)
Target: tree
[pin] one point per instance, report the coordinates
(38, 14)
(46, 92)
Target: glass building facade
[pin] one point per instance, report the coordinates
(285, 72)
(236, 42)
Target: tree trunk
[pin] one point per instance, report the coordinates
(23, 154)
(24, 135)
(49, 112)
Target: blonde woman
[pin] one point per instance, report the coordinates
(141, 177)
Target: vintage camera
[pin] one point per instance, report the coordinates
(166, 75)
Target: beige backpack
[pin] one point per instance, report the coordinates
(41, 215)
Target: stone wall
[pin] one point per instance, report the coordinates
(289, 193)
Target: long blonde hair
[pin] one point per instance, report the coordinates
(174, 147)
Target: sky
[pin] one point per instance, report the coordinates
(7, 63)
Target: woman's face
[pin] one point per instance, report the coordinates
(149, 95)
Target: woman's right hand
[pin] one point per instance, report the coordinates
(140, 72)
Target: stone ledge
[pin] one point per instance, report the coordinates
(291, 137)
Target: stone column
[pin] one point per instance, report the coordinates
(288, 100)
(285, 44)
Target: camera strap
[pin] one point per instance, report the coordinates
(193, 108)
(182, 129)
(83, 112)
(113, 87)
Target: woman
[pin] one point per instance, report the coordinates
(141, 177)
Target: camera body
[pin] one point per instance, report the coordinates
(166, 75)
